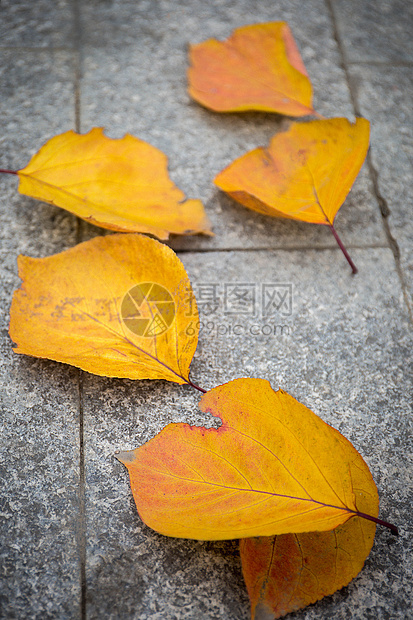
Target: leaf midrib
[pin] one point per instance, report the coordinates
(261, 492)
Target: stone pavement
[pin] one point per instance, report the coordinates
(72, 544)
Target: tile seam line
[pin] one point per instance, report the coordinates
(382, 63)
(63, 48)
(77, 72)
(26, 48)
(82, 503)
(326, 248)
(77, 35)
(383, 206)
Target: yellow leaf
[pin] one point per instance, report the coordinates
(288, 572)
(258, 68)
(305, 173)
(121, 185)
(273, 467)
(117, 306)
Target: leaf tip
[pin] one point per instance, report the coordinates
(263, 612)
(126, 457)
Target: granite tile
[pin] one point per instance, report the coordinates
(39, 459)
(375, 31)
(338, 343)
(342, 348)
(43, 23)
(134, 80)
(36, 103)
(385, 96)
(39, 453)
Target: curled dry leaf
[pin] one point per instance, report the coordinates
(285, 573)
(273, 467)
(304, 174)
(258, 68)
(121, 185)
(117, 306)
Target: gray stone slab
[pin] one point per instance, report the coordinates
(43, 23)
(342, 348)
(132, 572)
(39, 460)
(385, 95)
(375, 30)
(39, 452)
(36, 103)
(134, 80)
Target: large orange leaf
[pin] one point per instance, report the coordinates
(120, 184)
(258, 68)
(273, 467)
(285, 573)
(117, 306)
(305, 173)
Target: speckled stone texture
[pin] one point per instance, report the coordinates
(384, 95)
(39, 406)
(73, 545)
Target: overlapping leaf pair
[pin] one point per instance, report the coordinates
(122, 305)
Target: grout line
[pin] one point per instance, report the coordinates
(27, 48)
(394, 246)
(320, 248)
(78, 62)
(382, 63)
(77, 77)
(374, 177)
(66, 48)
(343, 60)
(77, 35)
(82, 502)
(82, 474)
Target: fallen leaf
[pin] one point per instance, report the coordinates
(305, 173)
(258, 68)
(273, 467)
(117, 306)
(288, 572)
(121, 185)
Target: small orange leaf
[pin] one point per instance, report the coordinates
(258, 68)
(120, 184)
(305, 173)
(117, 306)
(285, 573)
(273, 467)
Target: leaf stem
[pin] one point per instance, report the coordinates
(194, 385)
(331, 225)
(153, 357)
(4, 171)
(319, 116)
(391, 527)
(343, 249)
